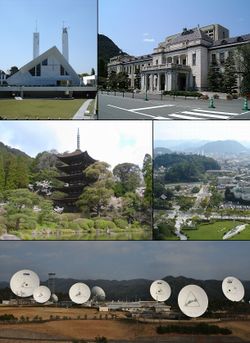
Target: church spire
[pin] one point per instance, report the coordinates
(78, 139)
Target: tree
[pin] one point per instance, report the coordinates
(92, 71)
(243, 66)
(131, 206)
(22, 173)
(128, 175)
(13, 70)
(137, 81)
(122, 80)
(2, 175)
(147, 175)
(46, 214)
(112, 80)
(214, 78)
(11, 173)
(96, 197)
(19, 208)
(229, 76)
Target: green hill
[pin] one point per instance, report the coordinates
(106, 50)
(184, 168)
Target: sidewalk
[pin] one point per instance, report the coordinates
(80, 113)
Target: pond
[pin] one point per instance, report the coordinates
(136, 234)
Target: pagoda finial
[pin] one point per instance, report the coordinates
(78, 139)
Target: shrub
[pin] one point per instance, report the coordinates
(74, 226)
(29, 225)
(216, 96)
(121, 223)
(204, 97)
(183, 93)
(229, 97)
(199, 329)
(84, 223)
(104, 224)
(136, 224)
(7, 318)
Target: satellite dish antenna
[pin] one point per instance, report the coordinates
(233, 288)
(24, 282)
(160, 290)
(54, 298)
(98, 293)
(79, 293)
(193, 301)
(41, 294)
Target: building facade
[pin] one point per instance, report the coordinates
(181, 62)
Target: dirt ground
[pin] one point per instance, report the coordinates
(90, 328)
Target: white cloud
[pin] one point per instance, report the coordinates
(205, 130)
(111, 141)
(148, 40)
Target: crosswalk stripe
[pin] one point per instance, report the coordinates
(216, 112)
(206, 115)
(184, 117)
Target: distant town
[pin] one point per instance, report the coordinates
(202, 192)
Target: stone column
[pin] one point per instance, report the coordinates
(166, 82)
(158, 82)
(151, 81)
(143, 82)
(170, 81)
(187, 80)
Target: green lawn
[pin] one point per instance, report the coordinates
(244, 235)
(39, 108)
(215, 231)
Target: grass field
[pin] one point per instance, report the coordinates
(114, 329)
(244, 235)
(216, 231)
(39, 108)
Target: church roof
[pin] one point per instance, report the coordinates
(50, 52)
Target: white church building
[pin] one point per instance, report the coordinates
(51, 68)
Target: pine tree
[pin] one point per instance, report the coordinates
(22, 177)
(214, 78)
(229, 76)
(11, 174)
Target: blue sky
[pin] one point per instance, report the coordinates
(137, 26)
(110, 141)
(18, 21)
(126, 260)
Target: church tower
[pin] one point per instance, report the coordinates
(35, 44)
(65, 43)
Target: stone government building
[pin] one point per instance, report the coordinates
(182, 61)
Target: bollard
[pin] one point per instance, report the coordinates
(211, 103)
(146, 96)
(245, 105)
(123, 94)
